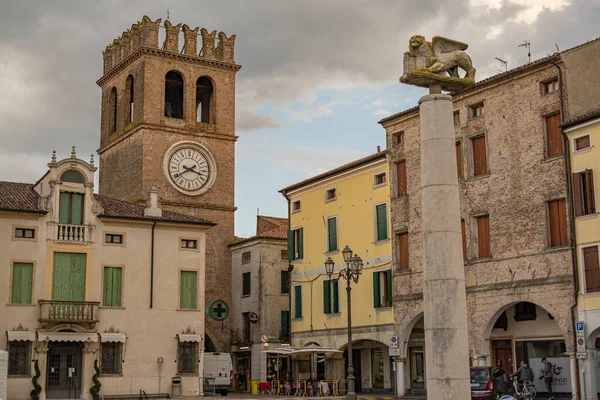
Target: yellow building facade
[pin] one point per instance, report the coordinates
(349, 206)
(584, 136)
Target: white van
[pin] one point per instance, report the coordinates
(218, 373)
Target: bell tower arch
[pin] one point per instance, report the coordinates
(174, 95)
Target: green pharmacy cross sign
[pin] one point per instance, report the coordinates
(218, 310)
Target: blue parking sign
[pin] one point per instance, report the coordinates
(579, 326)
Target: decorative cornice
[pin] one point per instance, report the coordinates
(198, 205)
(163, 53)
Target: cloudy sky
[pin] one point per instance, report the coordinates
(316, 76)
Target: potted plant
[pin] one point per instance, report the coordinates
(95, 390)
(37, 389)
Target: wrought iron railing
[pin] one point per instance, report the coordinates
(68, 311)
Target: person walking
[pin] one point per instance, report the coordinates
(547, 373)
(524, 374)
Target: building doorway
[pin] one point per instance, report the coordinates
(503, 355)
(417, 368)
(63, 371)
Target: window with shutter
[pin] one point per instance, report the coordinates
(376, 290)
(583, 193)
(483, 236)
(285, 282)
(592, 269)
(382, 289)
(112, 287)
(285, 325)
(22, 280)
(70, 208)
(336, 296)
(381, 231)
(554, 140)
(327, 297)
(187, 290)
(68, 276)
(459, 161)
(330, 297)
(401, 177)
(246, 284)
(557, 219)
(479, 156)
(295, 244)
(403, 252)
(332, 243)
(582, 142)
(298, 301)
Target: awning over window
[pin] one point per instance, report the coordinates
(67, 336)
(25, 336)
(188, 338)
(113, 337)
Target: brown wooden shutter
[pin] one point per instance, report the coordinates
(479, 156)
(582, 142)
(557, 214)
(459, 164)
(589, 191)
(553, 137)
(403, 252)
(577, 198)
(463, 231)
(592, 269)
(401, 171)
(562, 218)
(483, 236)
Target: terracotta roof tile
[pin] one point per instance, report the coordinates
(581, 118)
(267, 228)
(16, 196)
(337, 170)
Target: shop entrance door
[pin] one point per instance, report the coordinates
(503, 354)
(63, 371)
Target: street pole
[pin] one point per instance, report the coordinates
(351, 395)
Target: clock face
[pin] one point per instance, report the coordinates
(189, 169)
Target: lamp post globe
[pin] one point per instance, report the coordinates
(329, 265)
(347, 253)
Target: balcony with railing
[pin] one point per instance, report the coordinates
(71, 233)
(78, 312)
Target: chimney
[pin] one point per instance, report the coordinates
(379, 149)
(152, 206)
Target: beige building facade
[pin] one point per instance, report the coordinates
(91, 279)
(517, 233)
(260, 303)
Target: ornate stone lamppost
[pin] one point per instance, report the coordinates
(354, 266)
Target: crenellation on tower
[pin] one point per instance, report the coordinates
(171, 42)
(190, 36)
(208, 44)
(149, 32)
(224, 49)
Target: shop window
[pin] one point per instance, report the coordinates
(295, 244)
(525, 311)
(246, 284)
(173, 95)
(557, 223)
(285, 282)
(501, 322)
(583, 193)
(111, 358)
(554, 140)
(187, 357)
(382, 289)
(19, 357)
(204, 100)
(246, 257)
(331, 303)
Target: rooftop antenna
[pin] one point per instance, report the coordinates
(557, 49)
(528, 45)
(167, 13)
(503, 62)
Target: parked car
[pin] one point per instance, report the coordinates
(218, 373)
(489, 383)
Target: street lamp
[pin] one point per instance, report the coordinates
(354, 266)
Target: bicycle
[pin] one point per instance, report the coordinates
(526, 392)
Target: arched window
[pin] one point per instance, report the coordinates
(113, 110)
(72, 175)
(204, 100)
(130, 103)
(174, 95)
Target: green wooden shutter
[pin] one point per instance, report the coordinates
(76, 209)
(389, 287)
(187, 291)
(108, 279)
(285, 324)
(63, 213)
(300, 243)
(298, 301)
(336, 297)
(326, 297)
(290, 245)
(332, 234)
(68, 277)
(376, 293)
(381, 222)
(22, 283)
(77, 277)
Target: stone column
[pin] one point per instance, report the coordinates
(444, 296)
(87, 369)
(400, 386)
(573, 365)
(42, 356)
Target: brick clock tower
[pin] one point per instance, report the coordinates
(168, 120)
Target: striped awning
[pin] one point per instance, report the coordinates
(113, 337)
(188, 338)
(68, 336)
(24, 336)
